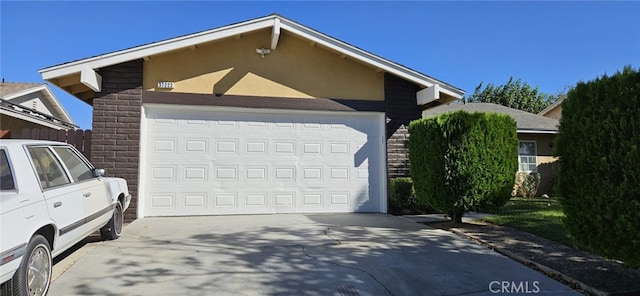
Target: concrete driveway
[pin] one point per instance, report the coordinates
(327, 254)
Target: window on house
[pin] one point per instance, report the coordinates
(527, 156)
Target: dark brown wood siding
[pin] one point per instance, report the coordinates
(401, 108)
(319, 104)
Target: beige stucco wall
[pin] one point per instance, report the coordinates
(546, 161)
(555, 112)
(297, 68)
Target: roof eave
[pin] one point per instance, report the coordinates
(537, 131)
(556, 104)
(277, 22)
(142, 51)
(48, 96)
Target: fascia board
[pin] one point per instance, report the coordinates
(368, 58)
(528, 131)
(139, 52)
(551, 107)
(24, 92)
(30, 119)
(241, 28)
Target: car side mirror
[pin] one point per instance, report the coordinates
(99, 172)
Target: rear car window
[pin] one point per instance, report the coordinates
(77, 167)
(49, 170)
(6, 175)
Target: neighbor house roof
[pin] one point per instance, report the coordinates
(553, 106)
(86, 79)
(526, 122)
(10, 88)
(9, 91)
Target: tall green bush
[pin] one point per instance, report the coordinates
(464, 161)
(598, 145)
(401, 194)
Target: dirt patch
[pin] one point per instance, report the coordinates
(578, 269)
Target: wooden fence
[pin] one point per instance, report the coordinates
(81, 139)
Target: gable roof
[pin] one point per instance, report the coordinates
(9, 88)
(526, 122)
(86, 67)
(553, 106)
(13, 90)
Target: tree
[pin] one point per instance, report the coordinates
(463, 161)
(513, 94)
(598, 145)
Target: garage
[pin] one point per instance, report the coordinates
(265, 115)
(207, 160)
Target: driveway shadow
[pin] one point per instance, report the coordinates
(309, 255)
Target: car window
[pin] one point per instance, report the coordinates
(79, 169)
(48, 167)
(6, 176)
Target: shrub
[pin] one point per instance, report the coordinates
(598, 145)
(527, 184)
(401, 194)
(463, 161)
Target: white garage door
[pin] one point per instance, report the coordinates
(210, 161)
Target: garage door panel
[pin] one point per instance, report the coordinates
(201, 163)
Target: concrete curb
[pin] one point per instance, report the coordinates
(550, 272)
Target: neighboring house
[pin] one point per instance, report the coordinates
(262, 116)
(536, 135)
(553, 111)
(31, 105)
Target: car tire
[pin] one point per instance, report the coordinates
(113, 229)
(33, 277)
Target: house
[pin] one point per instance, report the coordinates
(31, 105)
(536, 134)
(554, 110)
(262, 116)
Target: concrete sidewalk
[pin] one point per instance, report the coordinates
(328, 254)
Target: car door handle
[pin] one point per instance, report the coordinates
(57, 204)
(87, 194)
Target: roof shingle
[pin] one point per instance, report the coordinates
(525, 121)
(9, 88)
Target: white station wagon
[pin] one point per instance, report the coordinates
(51, 198)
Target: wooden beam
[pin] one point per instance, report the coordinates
(67, 80)
(428, 94)
(275, 33)
(91, 79)
(76, 88)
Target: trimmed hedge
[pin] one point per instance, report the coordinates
(598, 146)
(401, 194)
(464, 161)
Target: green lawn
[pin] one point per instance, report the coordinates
(539, 216)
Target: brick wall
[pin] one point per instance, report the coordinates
(401, 108)
(116, 126)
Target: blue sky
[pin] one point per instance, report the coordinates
(547, 44)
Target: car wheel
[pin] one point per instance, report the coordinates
(34, 274)
(113, 229)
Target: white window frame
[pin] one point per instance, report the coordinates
(533, 157)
